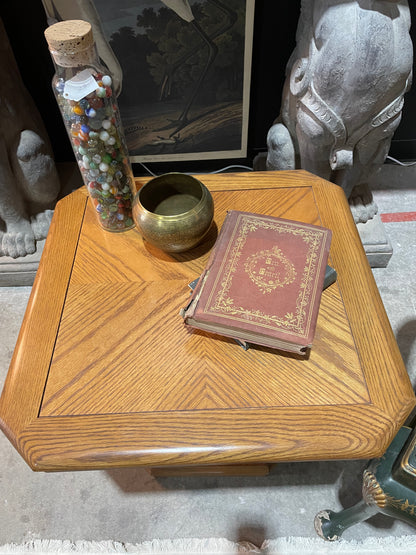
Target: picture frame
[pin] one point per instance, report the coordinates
(186, 71)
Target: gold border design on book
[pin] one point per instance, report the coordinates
(296, 323)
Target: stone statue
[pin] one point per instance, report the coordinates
(343, 95)
(29, 181)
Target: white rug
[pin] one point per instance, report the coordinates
(283, 546)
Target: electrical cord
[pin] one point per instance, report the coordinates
(235, 166)
(401, 163)
(232, 167)
(147, 169)
(216, 171)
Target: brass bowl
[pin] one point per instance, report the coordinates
(173, 211)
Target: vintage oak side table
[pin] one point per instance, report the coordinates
(105, 374)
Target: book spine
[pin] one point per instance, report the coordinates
(189, 310)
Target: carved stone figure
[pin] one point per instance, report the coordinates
(343, 95)
(29, 181)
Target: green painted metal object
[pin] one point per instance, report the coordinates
(389, 487)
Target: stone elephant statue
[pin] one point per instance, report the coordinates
(343, 94)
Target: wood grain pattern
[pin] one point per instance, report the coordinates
(105, 373)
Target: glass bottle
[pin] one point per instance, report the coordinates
(83, 90)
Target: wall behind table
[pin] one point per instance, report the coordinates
(274, 40)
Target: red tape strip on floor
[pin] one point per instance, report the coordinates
(398, 217)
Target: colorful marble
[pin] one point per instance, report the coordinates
(94, 128)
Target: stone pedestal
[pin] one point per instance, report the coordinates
(16, 272)
(376, 244)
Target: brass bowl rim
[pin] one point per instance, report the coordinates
(195, 208)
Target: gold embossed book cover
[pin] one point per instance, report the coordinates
(263, 282)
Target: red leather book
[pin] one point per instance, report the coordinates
(263, 282)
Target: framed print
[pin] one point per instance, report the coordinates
(186, 69)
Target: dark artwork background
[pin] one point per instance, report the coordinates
(172, 104)
(274, 39)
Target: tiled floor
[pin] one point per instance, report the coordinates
(130, 505)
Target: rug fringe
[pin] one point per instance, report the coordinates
(317, 546)
(281, 546)
(154, 547)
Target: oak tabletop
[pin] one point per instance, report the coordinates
(105, 374)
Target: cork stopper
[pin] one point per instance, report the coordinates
(71, 42)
